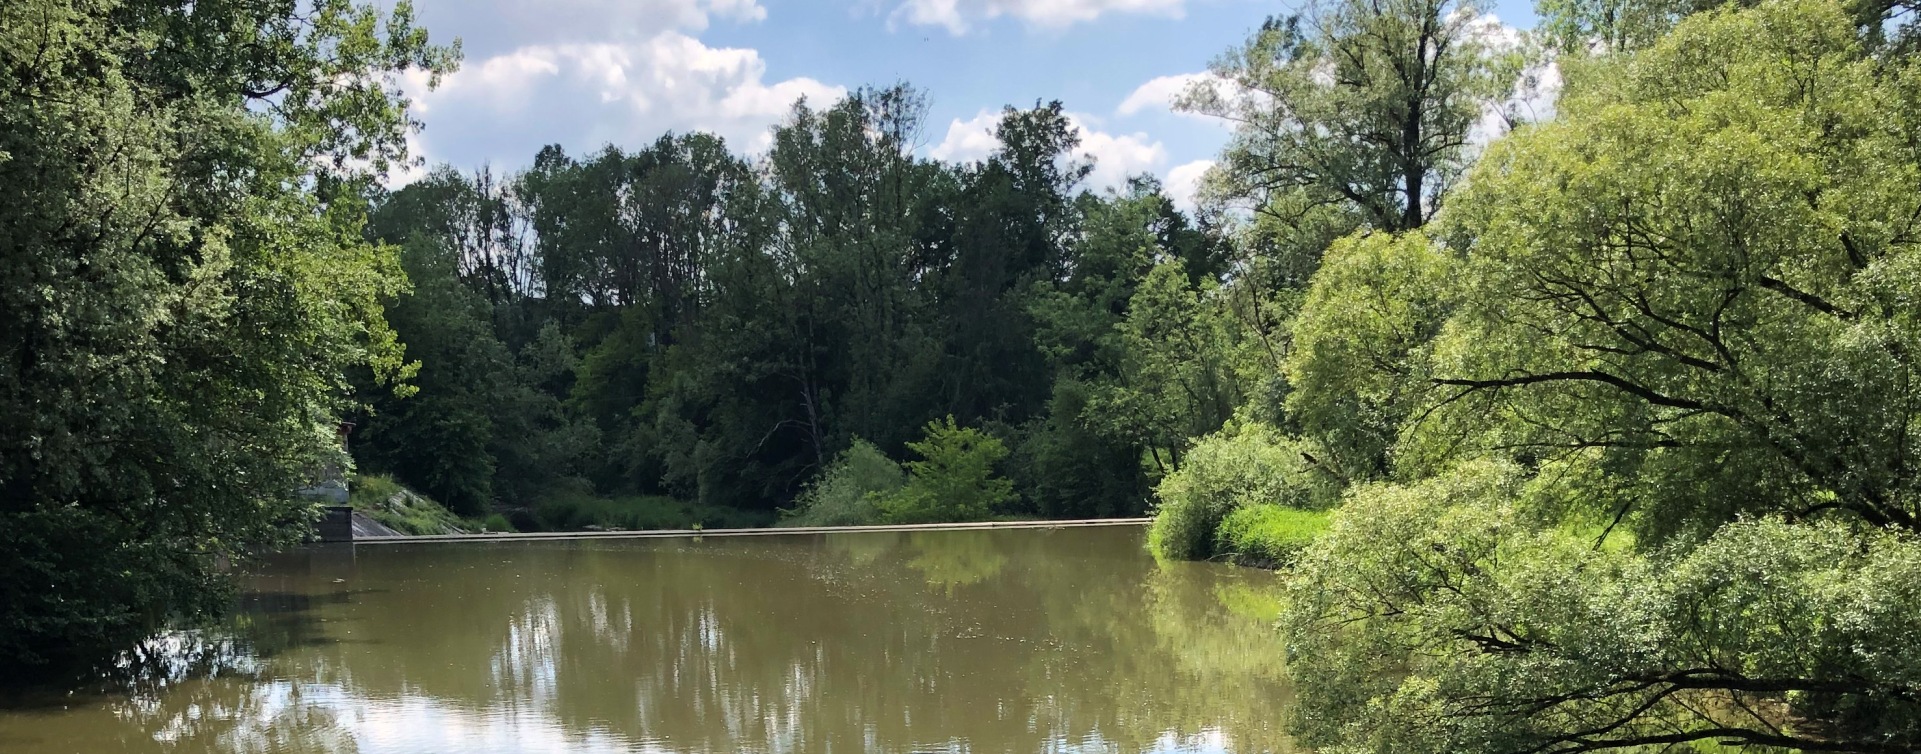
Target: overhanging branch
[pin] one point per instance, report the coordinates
(1637, 390)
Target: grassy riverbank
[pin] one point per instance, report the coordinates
(407, 511)
(395, 506)
(1269, 536)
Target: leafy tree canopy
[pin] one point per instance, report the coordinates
(1660, 491)
(185, 285)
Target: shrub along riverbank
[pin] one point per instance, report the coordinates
(1245, 494)
(953, 480)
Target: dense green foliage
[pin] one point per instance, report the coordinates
(574, 510)
(849, 490)
(1352, 121)
(1243, 466)
(954, 479)
(679, 322)
(1482, 629)
(185, 282)
(486, 418)
(1643, 419)
(403, 510)
(1357, 366)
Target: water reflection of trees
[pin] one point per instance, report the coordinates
(947, 561)
(979, 641)
(191, 691)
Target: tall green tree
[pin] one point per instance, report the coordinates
(1141, 348)
(1361, 108)
(487, 425)
(1359, 366)
(1692, 275)
(1663, 494)
(185, 286)
(954, 480)
(1177, 375)
(437, 439)
(677, 321)
(1085, 457)
(1355, 116)
(818, 327)
(1580, 28)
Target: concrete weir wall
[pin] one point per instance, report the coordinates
(336, 524)
(752, 532)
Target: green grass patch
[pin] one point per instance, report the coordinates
(577, 511)
(389, 502)
(1245, 466)
(1268, 536)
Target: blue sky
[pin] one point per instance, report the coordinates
(583, 73)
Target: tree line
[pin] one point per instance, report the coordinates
(681, 321)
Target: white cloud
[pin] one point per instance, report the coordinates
(968, 140)
(582, 95)
(1535, 91)
(583, 73)
(1116, 156)
(959, 16)
(1159, 93)
(489, 28)
(498, 83)
(1183, 183)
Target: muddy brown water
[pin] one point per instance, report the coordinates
(1034, 640)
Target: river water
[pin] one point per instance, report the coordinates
(1014, 640)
